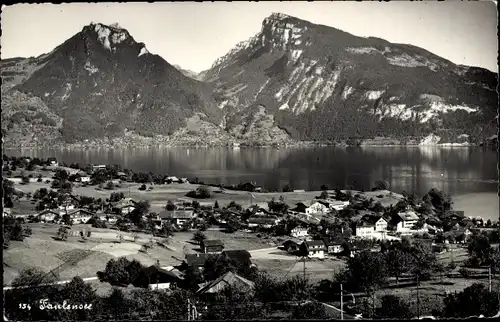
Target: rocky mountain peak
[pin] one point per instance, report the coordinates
(109, 36)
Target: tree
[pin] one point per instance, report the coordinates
(367, 270)
(79, 292)
(381, 185)
(110, 185)
(323, 187)
(393, 308)
(117, 272)
(398, 263)
(116, 196)
(480, 250)
(217, 265)
(198, 237)
(287, 188)
(216, 205)
(170, 206)
(323, 195)
(439, 200)
(61, 175)
(472, 301)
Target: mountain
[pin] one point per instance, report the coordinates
(102, 83)
(319, 83)
(189, 73)
(292, 81)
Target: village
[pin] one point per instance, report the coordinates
(81, 218)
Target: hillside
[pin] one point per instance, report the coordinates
(322, 83)
(101, 82)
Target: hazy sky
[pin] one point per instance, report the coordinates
(193, 35)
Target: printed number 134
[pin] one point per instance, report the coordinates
(24, 306)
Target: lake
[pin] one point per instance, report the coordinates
(413, 169)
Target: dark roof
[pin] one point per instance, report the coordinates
(368, 220)
(154, 271)
(238, 255)
(337, 240)
(197, 259)
(212, 242)
(309, 243)
(48, 211)
(228, 279)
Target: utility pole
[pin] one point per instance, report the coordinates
(341, 302)
(489, 278)
(189, 310)
(304, 269)
(418, 299)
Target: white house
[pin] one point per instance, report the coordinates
(298, 232)
(406, 220)
(315, 208)
(372, 227)
(338, 204)
(47, 216)
(314, 248)
(127, 209)
(85, 179)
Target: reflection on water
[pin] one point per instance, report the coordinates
(417, 169)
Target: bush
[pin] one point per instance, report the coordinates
(464, 272)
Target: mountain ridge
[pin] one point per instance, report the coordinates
(292, 81)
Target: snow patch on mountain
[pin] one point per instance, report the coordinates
(347, 91)
(103, 35)
(261, 89)
(437, 108)
(395, 111)
(284, 107)
(67, 91)
(90, 68)
(143, 51)
(373, 95)
(296, 53)
(223, 104)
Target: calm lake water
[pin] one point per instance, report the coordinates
(417, 169)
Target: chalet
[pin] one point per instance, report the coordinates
(299, 232)
(335, 246)
(48, 215)
(404, 221)
(125, 210)
(337, 204)
(302, 206)
(316, 207)
(313, 248)
(122, 175)
(454, 216)
(177, 217)
(372, 227)
(84, 179)
(230, 279)
(211, 246)
(98, 166)
(291, 246)
(196, 260)
(80, 216)
(64, 208)
(243, 257)
(158, 278)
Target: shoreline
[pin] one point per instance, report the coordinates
(286, 146)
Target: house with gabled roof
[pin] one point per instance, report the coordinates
(313, 248)
(404, 221)
(177, 217)
(211, 246)
(196, 260)
(373, 227)
(229, 279)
